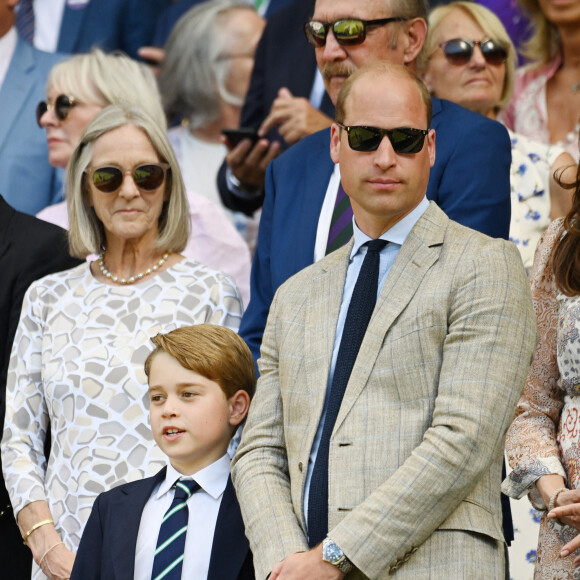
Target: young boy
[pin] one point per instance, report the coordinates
(184, 522)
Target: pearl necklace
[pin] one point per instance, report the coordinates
(132, 279)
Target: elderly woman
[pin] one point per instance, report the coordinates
(546, 103)
(203, 80)
(470, 60)
(78, 89)
(77, 360)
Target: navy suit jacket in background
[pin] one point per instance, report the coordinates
(109, 24)
(283, 59)
(27, 181)
(108, 544)
(29, 250)
(470, 182)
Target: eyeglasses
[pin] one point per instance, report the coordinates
(147, 177)
(62, 106)
(347, 31)
(403, 140)
(459, 51)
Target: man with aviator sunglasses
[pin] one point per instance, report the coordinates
(390, 466)
(302, 185)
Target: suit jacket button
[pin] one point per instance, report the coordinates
(300, 466)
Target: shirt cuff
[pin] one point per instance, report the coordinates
(235, 186)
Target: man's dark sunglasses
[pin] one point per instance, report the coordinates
(62, 106)
(347, 31)
(403, 140)
(458, 51)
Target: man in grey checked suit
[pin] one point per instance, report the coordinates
(415, 455)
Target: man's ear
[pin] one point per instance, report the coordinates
(335, 142)
(415, 35)
(239, 404)
(431, 146)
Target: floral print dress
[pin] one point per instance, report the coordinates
(545, 434)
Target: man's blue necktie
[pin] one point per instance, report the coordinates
(25, 20)
(171, 540)
(360, 310)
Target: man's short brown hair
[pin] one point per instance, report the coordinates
(377, 69)
(214, 352)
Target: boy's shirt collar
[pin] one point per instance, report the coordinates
(212, 479)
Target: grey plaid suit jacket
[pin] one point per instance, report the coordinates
(416, 452)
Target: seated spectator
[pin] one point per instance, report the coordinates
(23, 74)
(201, 379)
(203, 81)
(78, 354)
(81, 87)
(546, 101)
(470, 60)
(75, 26)
(286, 102)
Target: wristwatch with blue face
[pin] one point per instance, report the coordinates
(332, 554)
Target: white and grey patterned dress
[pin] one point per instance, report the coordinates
(77, 364)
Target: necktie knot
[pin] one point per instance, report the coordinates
(184, 488)
(376, 245)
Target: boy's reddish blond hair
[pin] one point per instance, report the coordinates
(214, 352)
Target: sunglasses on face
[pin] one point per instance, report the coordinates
(348, 31)
(147, 177)
(459, 51)
(403, 140)
(62, 106)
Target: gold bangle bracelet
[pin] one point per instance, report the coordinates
(34, 528)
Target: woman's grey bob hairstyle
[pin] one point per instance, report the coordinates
(193, 75)
(86, 233)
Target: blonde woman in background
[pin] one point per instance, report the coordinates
(470, 60)
(77, 90)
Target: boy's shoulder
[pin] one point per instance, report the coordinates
(141, 486)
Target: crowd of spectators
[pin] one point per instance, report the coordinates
(145, 111)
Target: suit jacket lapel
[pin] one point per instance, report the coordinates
(71, 27)
(322, 309)
(230, 545)
(16, 87)
(417, 254)
(124, 535)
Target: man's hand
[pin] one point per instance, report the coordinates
(248, 164)
(306, 566)
(567, 510)
(294, 116)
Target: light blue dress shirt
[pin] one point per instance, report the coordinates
(395, 236)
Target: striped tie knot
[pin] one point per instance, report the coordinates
(184, 489)
(170, 548)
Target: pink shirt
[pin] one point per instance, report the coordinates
(213, 241)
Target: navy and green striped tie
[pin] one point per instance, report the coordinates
(171, 541)
(341, 222)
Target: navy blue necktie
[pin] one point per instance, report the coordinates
(360, 310)
(170, 549)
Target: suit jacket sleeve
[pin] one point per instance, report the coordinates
(254, 111)
(260, 472)
(87, 565)
(472, 180)
(261, 289)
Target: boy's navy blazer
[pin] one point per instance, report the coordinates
(107, 548)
